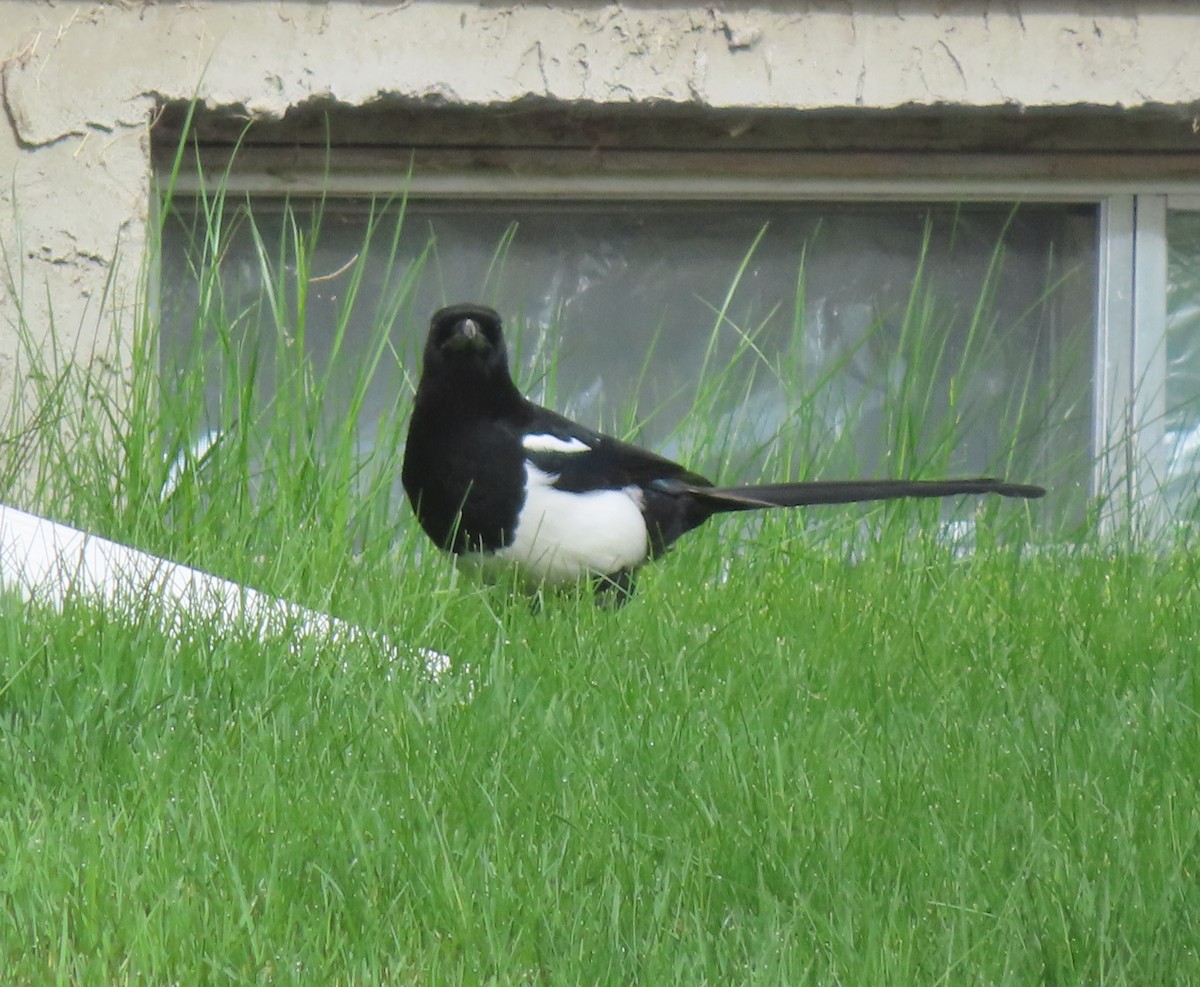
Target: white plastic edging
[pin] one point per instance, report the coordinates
(48, 562)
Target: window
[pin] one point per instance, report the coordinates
(925, 326)
(1181, 422)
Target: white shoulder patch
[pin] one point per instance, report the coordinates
(552, 443)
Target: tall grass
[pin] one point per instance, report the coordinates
(771, 767)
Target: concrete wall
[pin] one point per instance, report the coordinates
(81, 84)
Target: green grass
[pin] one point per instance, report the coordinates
(908, 771)
(774, 766)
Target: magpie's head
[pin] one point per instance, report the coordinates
(466, 338)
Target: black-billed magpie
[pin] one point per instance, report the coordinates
(495, 477)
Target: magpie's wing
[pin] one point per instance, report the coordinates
(583, 459)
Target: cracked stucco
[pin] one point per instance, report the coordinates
(80, 83)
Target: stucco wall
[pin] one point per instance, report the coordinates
(81, 84)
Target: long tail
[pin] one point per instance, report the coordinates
(720, 499)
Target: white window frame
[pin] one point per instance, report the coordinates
(1129, 372)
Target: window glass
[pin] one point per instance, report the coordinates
(888, 338)
(1182, 426)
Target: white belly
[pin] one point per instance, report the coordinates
(563, 537)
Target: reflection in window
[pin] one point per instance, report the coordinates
(897, 339)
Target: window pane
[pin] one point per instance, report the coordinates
(888, 339)
(1183, 361)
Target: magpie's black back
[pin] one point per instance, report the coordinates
(495, 477)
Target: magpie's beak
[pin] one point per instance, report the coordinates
(468, 335)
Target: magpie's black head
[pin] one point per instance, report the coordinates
(466, 339)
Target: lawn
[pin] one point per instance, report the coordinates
(909, 770)
(829, 748)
